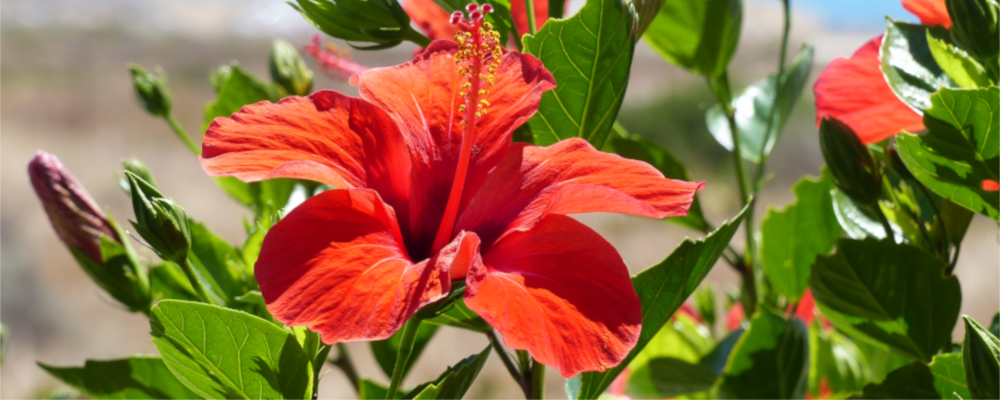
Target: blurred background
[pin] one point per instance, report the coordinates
(64, 88)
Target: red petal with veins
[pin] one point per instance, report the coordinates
(566, 178)
(561, 292)
(422, 96)
(854, 91)
(431, 18)
(930, 12)
(326, 137)
(337, 265)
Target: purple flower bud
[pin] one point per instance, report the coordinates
(75, 216)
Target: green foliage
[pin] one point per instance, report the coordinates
(460, 316)
(637, 148)
(771, 360)
(160, 221)
(136, 377)
(222, 353)
(455, 381)
(836, 360)
(385, 351)
(591, 79)
(851, 166)
(381, 22)
(371, 390)
(662, 289)
(674, 377)
(879, 289)
(792, 238)
(959, 65)
(858, 222)
(908, 65)
(942, 379)
(961, 149)
(980, 355)
(756, 106)
(698, 35)
(976, 27)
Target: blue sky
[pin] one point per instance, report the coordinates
(853, 14)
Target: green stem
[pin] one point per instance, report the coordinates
(536, 382)
(529, 6)
(196, 283)
(759, 175)
(182, 134)
(723, 93)
(343, 361)
(507, 362)
(417, 38)
(405, 348)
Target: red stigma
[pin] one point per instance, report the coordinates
(471, 7)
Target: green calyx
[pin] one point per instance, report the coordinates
(162, 223)
(288, 70)
(153, 90)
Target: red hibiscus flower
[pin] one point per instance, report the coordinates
(429, 189)
(853, 90)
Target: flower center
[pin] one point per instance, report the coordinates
(478, 57)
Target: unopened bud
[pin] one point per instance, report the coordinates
(153, 91)
(975, 27)
(288, 70)
(74, 215)
(851, 165)
(162, 223)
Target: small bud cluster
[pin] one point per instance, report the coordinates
(478, 57)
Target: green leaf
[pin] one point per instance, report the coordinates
(453, 383)
(907, 63)
(771, 360)
(959, 65)
(218, 263)
(239, 89)
(385, 351)
(591, 79)
(637, 148)
(698, 35)
(942, 379)
(717, 359)
(222, 353)
(879, 289)
(136, 377)
(662, 289)
(674, 377)
(980, 355)
(758, 133)
(669, 342)
(961, 148)
(838, 360)
(460, 316)
(995, 325)
(956, 220)
(857, 222)
(167, 281)
(371, 390)
(792, 238)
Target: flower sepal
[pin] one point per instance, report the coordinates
(382, 22)
(152, 90)
(162, 223)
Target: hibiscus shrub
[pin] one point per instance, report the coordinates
(438, 199)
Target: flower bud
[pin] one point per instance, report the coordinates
(74, 215)
(137, 167)
(898, 165)
(851, 165)
(162, 223)
(382, 22)
(153, 91)
(288, 70)
(975, 27)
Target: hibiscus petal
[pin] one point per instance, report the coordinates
(561, 292)
(566, 178)
(422, 96)
(520, 15)
(853, 91)
(431, 18)
(310, 138)
(930, 12)
(337, 265)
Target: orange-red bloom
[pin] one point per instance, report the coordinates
(853, 90)
(433, 19)
(429, 189)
